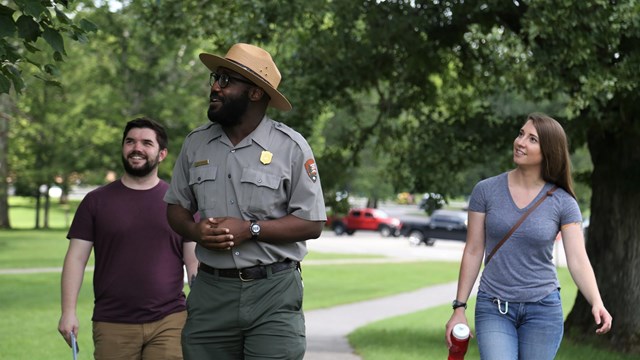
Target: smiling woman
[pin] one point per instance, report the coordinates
(510, 206)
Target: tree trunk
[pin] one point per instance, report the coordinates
(4, 164)
(47, 206)
(613, 241)
(38, 197)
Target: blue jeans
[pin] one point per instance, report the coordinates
(525, 331)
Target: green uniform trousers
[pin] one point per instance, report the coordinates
(231, 319)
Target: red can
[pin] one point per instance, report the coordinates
(459, 342)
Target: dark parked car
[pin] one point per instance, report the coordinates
(443, 224)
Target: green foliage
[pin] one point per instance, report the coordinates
(74, 133)
(23, 24)
(393, 95)
(337, 203)
(431, 202)
(434, 79)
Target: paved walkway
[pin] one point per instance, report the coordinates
(327, 329)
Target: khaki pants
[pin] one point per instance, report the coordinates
(230, 319)
(158, 340)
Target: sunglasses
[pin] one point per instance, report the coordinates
(223, 80)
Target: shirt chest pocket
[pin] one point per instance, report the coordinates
(262, 193)
(202, 180)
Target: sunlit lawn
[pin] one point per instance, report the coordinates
(420, 336)
(30, 312)
(32, 248)
(31, 306)
(30, 303)
(22, 213)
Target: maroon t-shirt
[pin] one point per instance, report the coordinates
(138, 274)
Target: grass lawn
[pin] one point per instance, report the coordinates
(30, 303)
(420, 336)
(33, 248)
(22, 213)
(30, 312)
(329, 285)
(47, 248)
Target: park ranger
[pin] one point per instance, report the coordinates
(255, 186)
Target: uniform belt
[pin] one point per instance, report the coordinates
(250, 273)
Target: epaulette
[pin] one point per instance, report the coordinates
(201, 128)
(291, 133)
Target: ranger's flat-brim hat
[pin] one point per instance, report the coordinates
(256, 65)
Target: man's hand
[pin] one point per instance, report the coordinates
(213, 236)
(68, 323)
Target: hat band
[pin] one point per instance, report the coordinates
(251, 71)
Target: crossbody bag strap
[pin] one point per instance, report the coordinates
(520, 221)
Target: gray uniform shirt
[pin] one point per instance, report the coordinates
(522, 270)
(269, 174)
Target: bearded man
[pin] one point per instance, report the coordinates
(140, 306)
(255, 185)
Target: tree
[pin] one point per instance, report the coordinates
(24, 27)
(4, 171)
(435, 87)
(582, 52)
(441, 70)
(126, 70)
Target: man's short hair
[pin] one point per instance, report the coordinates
(145, 122)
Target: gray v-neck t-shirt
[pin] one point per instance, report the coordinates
(522, 270)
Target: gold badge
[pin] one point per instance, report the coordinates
(201, 163)
(266, 157)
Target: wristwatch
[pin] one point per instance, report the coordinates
(255, 229)
(456, 304)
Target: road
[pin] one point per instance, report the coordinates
(398, 248)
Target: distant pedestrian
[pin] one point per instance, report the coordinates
(518, 309)
(140, 306)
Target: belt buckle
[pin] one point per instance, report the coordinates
(242, 278)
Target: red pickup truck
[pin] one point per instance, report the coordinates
(367, 219)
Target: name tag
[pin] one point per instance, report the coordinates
(201, 163)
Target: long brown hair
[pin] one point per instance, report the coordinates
(556, 164)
